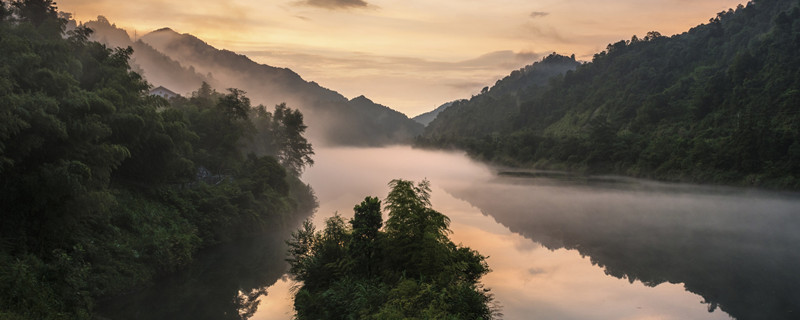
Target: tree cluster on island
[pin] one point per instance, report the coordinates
(408, 269)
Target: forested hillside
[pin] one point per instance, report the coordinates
(494, 110)
(176, 61)
(104, 187)
(427, 117)
(719, 103)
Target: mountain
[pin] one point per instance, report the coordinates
(427, 117)
(156, 67)
(718, 103)
(384, 119)
(332, 118)
(182, 62)
(495, 108)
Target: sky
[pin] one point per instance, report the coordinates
(410, 55)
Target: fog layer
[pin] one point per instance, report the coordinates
(558, 281)
(734, 247)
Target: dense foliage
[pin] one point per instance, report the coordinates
(718, 103)
(408, 270)
(103, 186)
(495, 110)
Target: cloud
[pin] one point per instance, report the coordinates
(230, 20)
(539, 14)
(335, 4)
(503, 61)
(466, 85)
(536, 31)
(536, 271)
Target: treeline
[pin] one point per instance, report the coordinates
(104, 187)
(408, 269)
(718, 103)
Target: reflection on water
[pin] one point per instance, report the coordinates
(531, 281)
(226, 282)
(560, 247)
(736, 248)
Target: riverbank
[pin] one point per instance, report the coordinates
(586, 171)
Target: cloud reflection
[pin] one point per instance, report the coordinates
(335, 4)
(539, 14)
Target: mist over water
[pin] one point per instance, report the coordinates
(577, 248)
(559, 247)
(342, 177)
(736, 248)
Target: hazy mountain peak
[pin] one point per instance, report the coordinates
(427, 117)
(331, 117)
(167, 36)
(361, 98)
(165, 29)
(108, 33)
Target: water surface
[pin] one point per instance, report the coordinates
(562, 247)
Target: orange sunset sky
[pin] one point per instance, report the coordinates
(410, 55)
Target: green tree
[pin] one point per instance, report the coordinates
(366, 223)
(417, 234)
(294, 151)
(361, 272)
(36, 11)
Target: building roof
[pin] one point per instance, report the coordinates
(164, 92)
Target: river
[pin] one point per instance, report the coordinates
(559, 247)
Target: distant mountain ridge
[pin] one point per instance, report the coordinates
(182, 62)
(505, 94)
(158, 68)
(427, 117)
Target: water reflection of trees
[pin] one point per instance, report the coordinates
(738, 253)
(225, 283)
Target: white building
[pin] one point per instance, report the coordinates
(163, 92)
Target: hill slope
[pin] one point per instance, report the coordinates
(156, 67)
(181, 62)
(718, 103)
(427, 117)
(332, 118)
(494, 109)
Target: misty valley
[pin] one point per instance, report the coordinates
(559, 247)
(155, 175)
